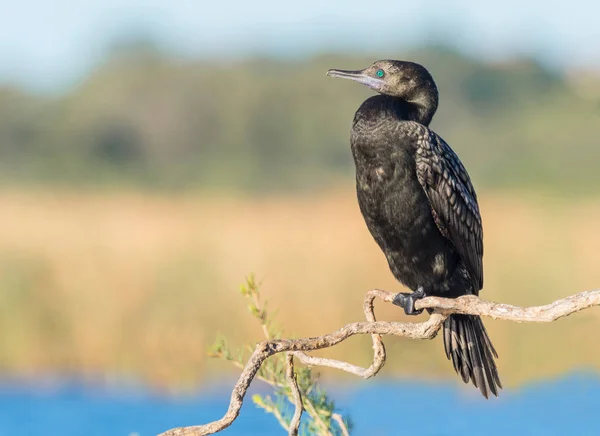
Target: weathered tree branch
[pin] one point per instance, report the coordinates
(443, 307)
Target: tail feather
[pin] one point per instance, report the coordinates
(476, 359)
(468, 345)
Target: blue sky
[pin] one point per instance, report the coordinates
(52, 44)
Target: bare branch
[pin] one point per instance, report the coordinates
(291, 376)
(378, 347)
(443, 307)
(471, 305)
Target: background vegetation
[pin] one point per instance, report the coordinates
(134, 205)
(150, 120)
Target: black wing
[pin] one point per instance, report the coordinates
(452, 198)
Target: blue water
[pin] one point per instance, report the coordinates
(570, 405)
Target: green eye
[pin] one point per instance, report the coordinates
(380, 73)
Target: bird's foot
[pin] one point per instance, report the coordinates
(407, 300)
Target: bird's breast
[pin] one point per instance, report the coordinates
(399, 216)
(391, 198)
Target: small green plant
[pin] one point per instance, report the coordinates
(320, 417)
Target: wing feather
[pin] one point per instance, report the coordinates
(452, 197)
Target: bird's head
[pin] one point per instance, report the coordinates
(406, 80)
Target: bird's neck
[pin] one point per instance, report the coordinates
(420, 105)
(392, 107)
(423, 104)
(422, 114)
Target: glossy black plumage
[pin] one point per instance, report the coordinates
(420, 206)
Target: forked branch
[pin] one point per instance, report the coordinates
(443, 307)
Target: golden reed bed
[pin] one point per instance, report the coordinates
(122, 284)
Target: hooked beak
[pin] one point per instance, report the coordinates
(359, 76)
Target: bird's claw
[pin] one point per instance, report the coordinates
(407, 301)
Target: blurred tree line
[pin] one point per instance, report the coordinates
(149, 119)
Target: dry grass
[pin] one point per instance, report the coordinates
(139, 284)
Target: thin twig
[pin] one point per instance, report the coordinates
(259, 377)
(272, 408)
(312, 411)
(261, 311)
(291, 377)
(338, 418)
(469, 305)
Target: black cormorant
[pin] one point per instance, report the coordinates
(420, 206)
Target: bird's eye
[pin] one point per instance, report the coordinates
(380, 73)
